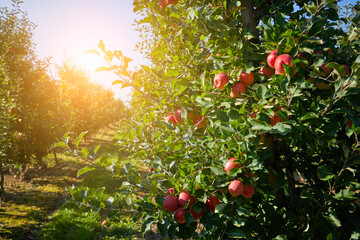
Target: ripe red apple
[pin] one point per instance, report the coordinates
(246, 78)
(151, 169)
(231, 164)
(184, 197)
(280, 60)
(347, 71)
(180, 215)
(170, 203)
(171, 118)
(266, 71)
(237, 88)
(212, 202)
(350, 123)
(162, 3)
(195, 214)
(271, 58)
(11, 111)
(326, 70)
(248, 191)
(200, 121)
(236, 188)
(177, 116)
(220, 80)
(170, 191)
(275, 119)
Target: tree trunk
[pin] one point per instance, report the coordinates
(248, 16)
(2, 180)
(55, 157)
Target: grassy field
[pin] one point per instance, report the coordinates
(33, 209)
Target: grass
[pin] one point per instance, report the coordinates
(34, 209)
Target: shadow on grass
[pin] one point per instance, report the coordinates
(25, 232)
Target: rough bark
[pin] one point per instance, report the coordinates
(248, 16)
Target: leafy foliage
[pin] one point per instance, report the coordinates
(295, 134)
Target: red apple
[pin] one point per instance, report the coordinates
(177, 116)
(170, 203)
(220, 80)
(266, 71)
(171, 118)
(349, 123)
(326, 70)
(200, 121)
(212, 202)
(170, 191)
(347, 71)
(151, 169)
(280, 60)
(162, 3)
(231, 164)
(180, 215)
(184, 197)
(195, 214)
(237, 88)
(236, 188)
(271, 59)
(275, 119)
(248, 191)
(246, 78)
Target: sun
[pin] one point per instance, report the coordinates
(90, 62)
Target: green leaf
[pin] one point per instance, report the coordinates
(128, 200)
(127, 167)
(236, 233)
(324, 173)
(79, 138)
(84, 170)
(220, 207)
(93, 51)
(261, 91)
(238, 222)
(217, 171)
(280, 237)
(191, 14)
(84, 152)
(260, 127)
(103, 68)
(117, 82)
(59, 144)
(345, 194)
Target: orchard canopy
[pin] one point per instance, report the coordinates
(246, 121)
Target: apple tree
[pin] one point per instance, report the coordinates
(247, 119)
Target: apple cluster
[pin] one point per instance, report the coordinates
(238, 88)
(198, 120)
(184, 203)
(236, 187)
(165, 3)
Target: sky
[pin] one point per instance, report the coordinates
(67, 28)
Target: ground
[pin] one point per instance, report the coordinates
(33, 197)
